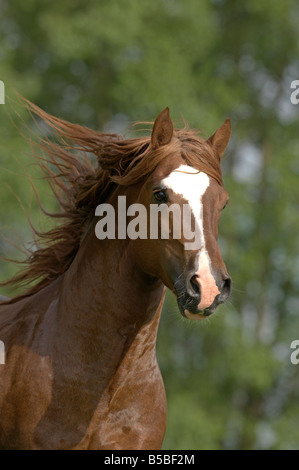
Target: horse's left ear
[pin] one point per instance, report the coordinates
(220, 139)
(162, 130)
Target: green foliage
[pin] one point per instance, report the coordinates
(229, 381)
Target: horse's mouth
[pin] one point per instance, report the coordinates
(199, 314)
(188, 307)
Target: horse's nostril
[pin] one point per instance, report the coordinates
(226, 287)
(194, 285)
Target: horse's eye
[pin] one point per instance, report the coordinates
(160, 195)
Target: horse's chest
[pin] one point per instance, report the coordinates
(133, 417)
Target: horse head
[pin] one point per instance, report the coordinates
(187, 176)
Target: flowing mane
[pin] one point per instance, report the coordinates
(79, 186)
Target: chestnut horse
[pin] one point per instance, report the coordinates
(80, 366)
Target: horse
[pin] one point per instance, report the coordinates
(80, 369)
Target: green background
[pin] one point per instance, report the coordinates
(230, 383)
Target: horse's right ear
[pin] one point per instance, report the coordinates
(220, 139)
(162, 130)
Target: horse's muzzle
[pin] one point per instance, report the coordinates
(189, 297)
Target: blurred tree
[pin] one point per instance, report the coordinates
(230, 382)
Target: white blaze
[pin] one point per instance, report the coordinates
(192, 185)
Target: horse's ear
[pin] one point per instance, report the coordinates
(220, 139)
(162, 130)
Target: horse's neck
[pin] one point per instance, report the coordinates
(108, 309)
